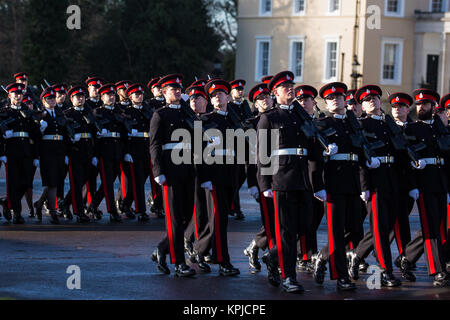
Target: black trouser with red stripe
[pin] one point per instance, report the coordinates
(91, 185)
(432, 212)
(124, 183)
(382, 210)
(136, 173)
(78, 177)
(343, 215)
(156, 192)
(109, 170)
(219, 204)
(198, 231)
(19, 177)
(178, 205)
(401, 231)
(307, 243)
(293, 214)
(265, 238)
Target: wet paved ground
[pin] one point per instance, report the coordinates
(114, 260)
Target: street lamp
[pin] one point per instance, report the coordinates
(355, 72)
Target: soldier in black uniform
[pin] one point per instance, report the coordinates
(61, 97)
(259, 95)
(109, 149)
(224, 175)
(17, 151)
(289, 185)
(176, 180)
(122, 87)
(155, 198)
(22, 78)
(80, 150)
(93, 84)
(432, 185)
(52, 150)
(137, 169)
(380, 186)
(342, 190)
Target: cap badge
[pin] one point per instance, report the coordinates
(178, 80)
(333, 89)
(287, 77)
(260, 89)
(421, 95)
(397, 99)
(213, 86)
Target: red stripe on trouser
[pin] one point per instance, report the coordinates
(376, 231)
(122, 181)
(334, 274)
(169, 225)
(56, 203)
(217, 225)
(398, 239)
(303, 244)
(266, 220)
(133, 179)
(350, 245)
(426, 234)
(105, 188)
(89, 198)
(442, 228)
(72, 188)
(278, 235)
(448, 223)
(195, 223)
(152, 180)
(8, 191)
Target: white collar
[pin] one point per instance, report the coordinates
(175, 106)
(160, 98)
(313, 116)
(339, 116)
(15, 107)
(376, 117)
(285, 107)
(78, 108)
(137, 107)
(124, 103)
(430, 122)
(401, 123)
(221, 112)
(238, 102)
(49, 111)
(109, 107)
(59, 105)
(93, 100)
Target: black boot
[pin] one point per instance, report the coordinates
(143, 217)
(353, 268)
(272, 270)
(54, 217)
(83, 218)
(6, 210)
(18, 219)
(363, 266)
(183, 270)
(319, 269)
(239, 215)
(159, 212)
(115, 217)
(32, 214)
(252, 253)
(95, 213)
(441, 280)
(38, 207)
(345, 284)
(227, 269)
(160, 260)
(405, 268)
(189, 249)
(66, 211)
(291, 285)
(202, 265)
(388, 280)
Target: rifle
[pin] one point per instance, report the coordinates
(125, 120)
(359, 139)
(4, 123)
(400, 142)
(443, 137)
(29, 114)
(98, 122)
(310, 129)
(69, 123)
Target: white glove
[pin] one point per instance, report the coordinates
(206, 185)
(160, 179)
(332, 149)
(321, 195)
(8, 134)
(36, 163)
(44, 125)
(375, 163)
(76, 137)
(254, 192)
(3, 159)
(94, 161)
(365, 195)
(66, 160)
(268, 193)
(421, 166)
(134, 132)
(128, 158)
(103, 133)
(414, 193)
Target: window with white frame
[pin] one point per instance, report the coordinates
(394, 8)
(331, 59)
(334, 7)
(265, 7)
(437, 6)
(391, 61)
(296, 57)
(299, 7)
(262, 61)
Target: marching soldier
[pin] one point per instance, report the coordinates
(94, 83)
(122, 87)
(61, 96)
(290, 185)
(259, 95)
(18, 151)
(137, 168)
(22, 78)
(342, 190)
(432, 191)
(110, 150)
(176, 180)
(81, 150)
(157, 101)
(354, 105)
(380, 186)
